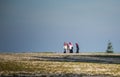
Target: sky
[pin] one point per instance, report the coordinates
(44, 25)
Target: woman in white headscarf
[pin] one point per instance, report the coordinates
(65, 47)
(71, 47)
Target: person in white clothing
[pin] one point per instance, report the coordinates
(70, 47)
(65, 47)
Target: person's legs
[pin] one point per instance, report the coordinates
(64, 50)
(77, 51)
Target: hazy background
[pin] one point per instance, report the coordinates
(44, 25)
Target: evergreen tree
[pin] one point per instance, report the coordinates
(109, 48)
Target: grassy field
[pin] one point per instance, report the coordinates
(60, 65)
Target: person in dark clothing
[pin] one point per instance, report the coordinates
(77, 47)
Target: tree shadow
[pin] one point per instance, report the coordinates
(105, 59)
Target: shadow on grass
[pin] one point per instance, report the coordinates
(108, 59)
(55, 75)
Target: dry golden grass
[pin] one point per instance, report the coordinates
(42, 63)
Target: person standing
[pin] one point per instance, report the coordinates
(65, 47)
(68, 48)
(77, 47)
(71, 47)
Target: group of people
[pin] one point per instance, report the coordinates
(68, 47)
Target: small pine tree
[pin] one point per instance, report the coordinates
(109, 48)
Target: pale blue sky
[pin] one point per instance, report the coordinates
(44, 25)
